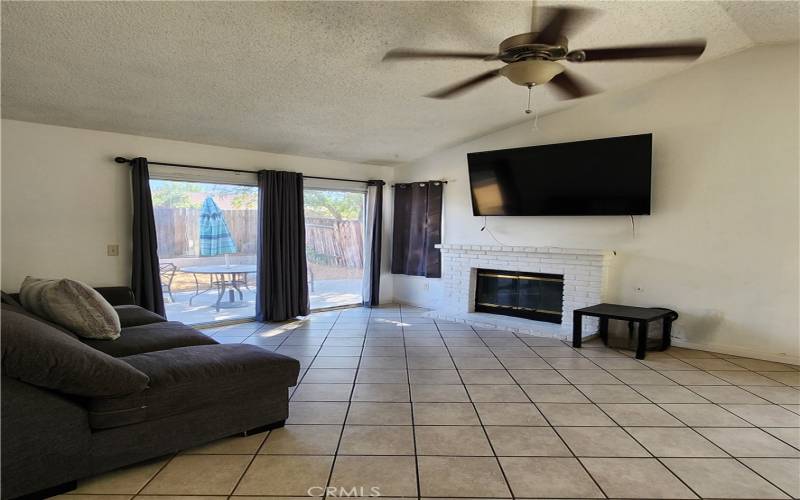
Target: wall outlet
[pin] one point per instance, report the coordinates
(112, 250)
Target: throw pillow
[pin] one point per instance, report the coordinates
(30, 294)
(73, 305)
(38, 354)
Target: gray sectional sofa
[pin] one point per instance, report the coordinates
(159, 388)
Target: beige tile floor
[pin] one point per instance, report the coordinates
(391, 400)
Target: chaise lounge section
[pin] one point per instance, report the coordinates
(188, 390)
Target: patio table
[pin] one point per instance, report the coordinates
(220, 280)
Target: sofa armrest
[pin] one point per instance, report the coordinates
(130, 316)
(117, 295)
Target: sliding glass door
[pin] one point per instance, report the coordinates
(207, 239)
(334, 246)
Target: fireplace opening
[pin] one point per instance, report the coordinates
(526, 295)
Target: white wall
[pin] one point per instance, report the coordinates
(64, 199)
(721, 245)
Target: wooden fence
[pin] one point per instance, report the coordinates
(328, 241)
(335, 243)
(178, 231)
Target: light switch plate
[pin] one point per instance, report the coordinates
(113, 250)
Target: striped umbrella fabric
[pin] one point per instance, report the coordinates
(215, 237)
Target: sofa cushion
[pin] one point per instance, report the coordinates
(8, 306)
(117, 295)
(38, 354)
(71, 304)
(149, 338)
(9, 299)
(190, 378)
(130, 315)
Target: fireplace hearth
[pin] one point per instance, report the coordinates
(537, 296)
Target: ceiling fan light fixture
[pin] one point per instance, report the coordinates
(531, 71)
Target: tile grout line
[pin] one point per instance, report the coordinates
(713, 403)
(547, 420)
(737, 459)
(475, 409)
(730, 456)
(411, 408)
(652, 455)
(569, 383)
(140, 490)
(659, 406)
(674, 475)
(349, 399)
(269, 433)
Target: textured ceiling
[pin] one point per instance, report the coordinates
(305, 78)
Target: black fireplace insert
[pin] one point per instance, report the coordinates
(535, 296)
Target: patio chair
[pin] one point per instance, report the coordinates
(167, 272)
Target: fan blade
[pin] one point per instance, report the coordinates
(571, 87)
(690, 49)
(433, 54)
(560, 21)
(458, 88)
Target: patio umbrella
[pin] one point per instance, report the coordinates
(215, 237)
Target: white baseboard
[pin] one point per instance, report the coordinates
(718, 348)
(737, 351)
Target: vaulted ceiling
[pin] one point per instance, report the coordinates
(306, 78)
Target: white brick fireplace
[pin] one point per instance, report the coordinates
(584, 271)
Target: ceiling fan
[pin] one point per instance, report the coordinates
(531, 58)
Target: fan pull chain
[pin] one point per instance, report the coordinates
(528, 110)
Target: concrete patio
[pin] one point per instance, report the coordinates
(325, 294)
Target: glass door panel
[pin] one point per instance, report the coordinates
(334, 246)
(207, 238)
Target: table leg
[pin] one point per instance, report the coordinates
(603, 330)
(197, 290)
(230, 286)
(666, 338)
(577, 329)
(220, 290)
(235, 283)
(641, 343)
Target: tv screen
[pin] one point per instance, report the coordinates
(597, 177)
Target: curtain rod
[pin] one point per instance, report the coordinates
(415, 182)
(120, 159)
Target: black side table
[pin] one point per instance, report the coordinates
(642, 315)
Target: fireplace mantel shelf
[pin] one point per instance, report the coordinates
(521, 249)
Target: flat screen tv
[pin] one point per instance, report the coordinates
(597, 177)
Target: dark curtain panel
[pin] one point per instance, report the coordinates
(145, 278)
(282, 283)
(372, 288)
(417, 229)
